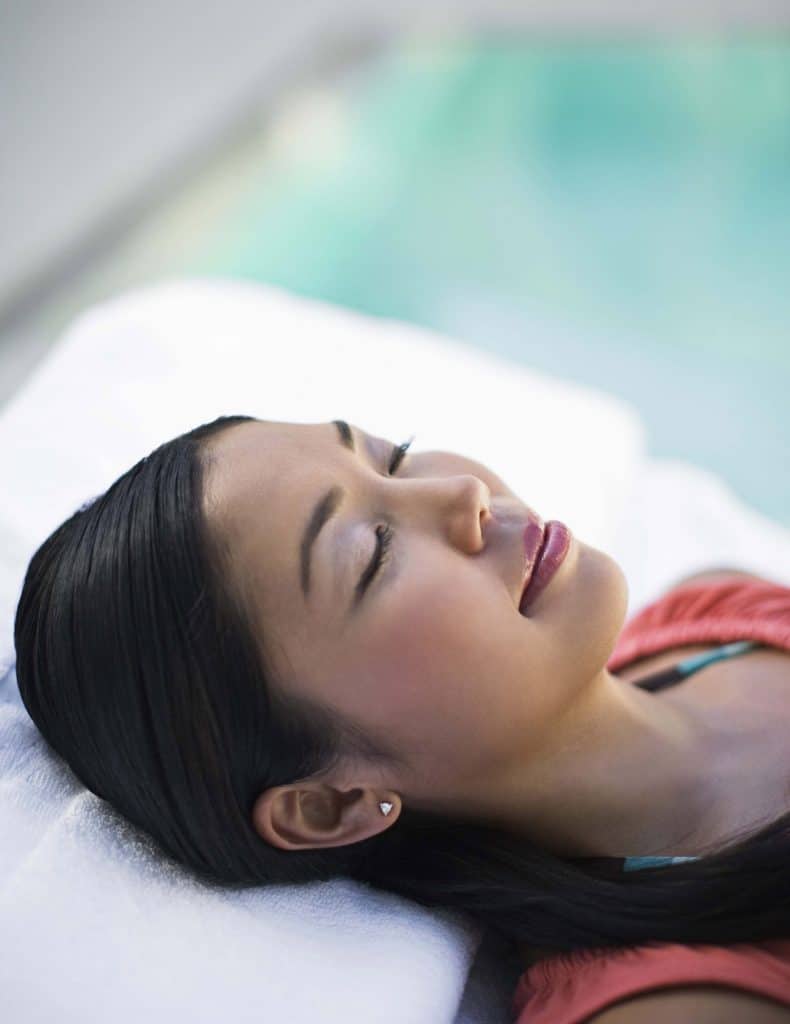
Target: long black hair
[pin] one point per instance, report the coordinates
(138, 665)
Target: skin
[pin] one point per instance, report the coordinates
(498, 717)
(702, 1004)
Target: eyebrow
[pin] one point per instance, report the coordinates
(324, 510)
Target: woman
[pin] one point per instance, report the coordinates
(293, 651)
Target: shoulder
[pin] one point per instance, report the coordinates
(659, 982)
(703, 1004)
(713, 576)
(708, 608)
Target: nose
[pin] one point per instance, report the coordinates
(459, 505)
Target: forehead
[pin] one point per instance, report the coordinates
(262, 480)
(245, 456)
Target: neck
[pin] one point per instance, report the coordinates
(625, 773)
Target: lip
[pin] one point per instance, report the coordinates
(545, 549)
(534, 534)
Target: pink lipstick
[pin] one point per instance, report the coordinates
(544, 554)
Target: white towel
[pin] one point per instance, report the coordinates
(92, 925)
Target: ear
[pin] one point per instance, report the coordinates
(307, 816)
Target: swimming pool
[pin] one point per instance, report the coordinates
(616, 213)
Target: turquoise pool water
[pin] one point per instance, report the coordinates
(618, 214)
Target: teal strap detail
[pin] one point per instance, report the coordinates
(725, 651)
(635, 863)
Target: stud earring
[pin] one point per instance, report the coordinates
(385, 807)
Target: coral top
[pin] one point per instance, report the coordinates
(567, 988)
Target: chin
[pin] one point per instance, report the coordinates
(617, 599)
(602, 602)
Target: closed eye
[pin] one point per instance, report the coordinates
(384, 532)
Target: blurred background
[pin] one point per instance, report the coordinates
(598, 190)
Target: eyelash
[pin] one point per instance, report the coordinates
(398, 454)
(385, 532)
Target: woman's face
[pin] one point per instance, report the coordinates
(435, 657)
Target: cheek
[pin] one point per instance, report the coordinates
(465, 679)
(447, 671)
(459, 682)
